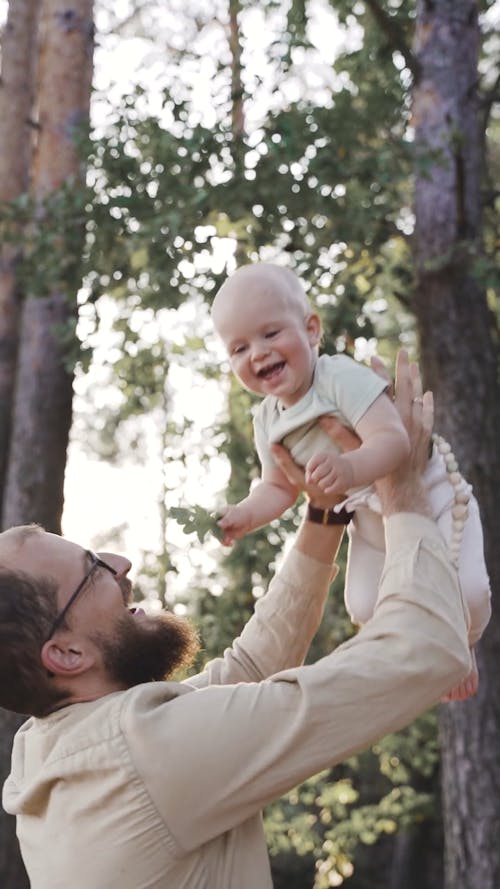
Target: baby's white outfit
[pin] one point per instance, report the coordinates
(345, 389)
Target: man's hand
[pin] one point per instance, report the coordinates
(402, 490)
(342, 437)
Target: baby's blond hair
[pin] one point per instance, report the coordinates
(267, 278)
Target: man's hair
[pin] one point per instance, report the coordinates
(28, 607)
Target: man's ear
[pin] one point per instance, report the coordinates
(65, 658)
(314, 328)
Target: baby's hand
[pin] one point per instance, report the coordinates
(234, 522)
(331, 472)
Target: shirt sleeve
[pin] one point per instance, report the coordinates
(352, 386)
(281, 629)
(249, 743)
(261, 437)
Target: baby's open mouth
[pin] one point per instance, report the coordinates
(267, 372)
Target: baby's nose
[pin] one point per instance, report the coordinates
(260, 349)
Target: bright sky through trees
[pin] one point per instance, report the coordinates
(99, 497)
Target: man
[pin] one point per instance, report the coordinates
(121, 784)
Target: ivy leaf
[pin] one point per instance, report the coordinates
(197, 521)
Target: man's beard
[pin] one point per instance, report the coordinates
(148, 648)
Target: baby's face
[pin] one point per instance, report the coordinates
(271, 345)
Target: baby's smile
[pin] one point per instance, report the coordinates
(267, 373)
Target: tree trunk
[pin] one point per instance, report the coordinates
(43, 389)
(417, 860)
(237, 110)
(43, 394)
(16, 101)
(459, 358)
(12, 872)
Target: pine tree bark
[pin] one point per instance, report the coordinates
(12, 872)
(16, 101)
(43, 392)
(42, 397)
(237, 109)
(459, 357)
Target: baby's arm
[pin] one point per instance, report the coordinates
(268, 500)
(384, 445)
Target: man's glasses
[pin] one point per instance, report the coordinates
(96, 562)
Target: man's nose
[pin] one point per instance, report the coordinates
(120, 564)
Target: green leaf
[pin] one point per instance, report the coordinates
(196, 521)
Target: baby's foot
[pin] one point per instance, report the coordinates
(467, 687)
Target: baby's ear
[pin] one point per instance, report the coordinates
(314, 328)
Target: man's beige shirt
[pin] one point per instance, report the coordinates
(162, 786)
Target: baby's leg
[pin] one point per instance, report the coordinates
(457, 514)
(471, 567)
(365, 561)
(467, 687)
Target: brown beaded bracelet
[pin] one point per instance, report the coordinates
(328, 516)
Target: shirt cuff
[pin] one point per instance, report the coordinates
(297, 565)
(402, 528)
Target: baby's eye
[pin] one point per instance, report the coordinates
(270, 333)
(238, 350)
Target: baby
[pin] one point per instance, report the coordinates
(272, 337)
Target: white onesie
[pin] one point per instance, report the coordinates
(345, 389)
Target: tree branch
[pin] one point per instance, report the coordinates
(117, 26)
(488, 99)
(394, 34)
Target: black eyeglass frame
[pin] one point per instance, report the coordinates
(97, 562)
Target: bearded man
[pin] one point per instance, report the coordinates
(124, 779)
